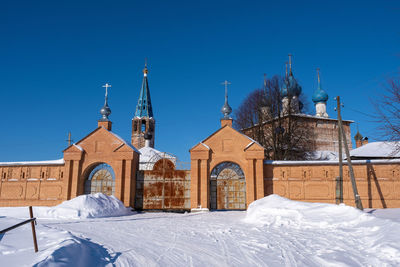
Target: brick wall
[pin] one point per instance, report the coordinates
(378, 182)
(32, 185)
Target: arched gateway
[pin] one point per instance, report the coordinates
(228, 187)
(226, 170)
(101, 180)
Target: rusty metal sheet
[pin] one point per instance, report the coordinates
(163, 190)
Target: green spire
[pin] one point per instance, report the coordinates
(144, 108)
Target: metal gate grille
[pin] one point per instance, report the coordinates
(228, 187)
(101, 180)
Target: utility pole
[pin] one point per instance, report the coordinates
(339, 181)
(350, 166)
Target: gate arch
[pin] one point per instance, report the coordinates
(101, 179)
(228, 187)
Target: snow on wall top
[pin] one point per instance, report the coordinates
(329, 162)
(44, 162)
(377, 150)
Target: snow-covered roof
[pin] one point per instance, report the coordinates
(126, 143)
(44, 162)
(149, 156)
(323, 155)
(206, 146)
(377, 150)
(78, 147)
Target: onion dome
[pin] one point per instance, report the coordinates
(294, 88)
(319, 96)
(284, 90)
(290, 87)
(358, 136)
(105, 112)
(226, 109)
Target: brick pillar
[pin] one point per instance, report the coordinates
(250, 183)
(105, 124)
(128, 181)
(205, 185)
(194, 183)
(75, 178)
(226, 122)
(67, 180)
(259, 179)
(119, 179)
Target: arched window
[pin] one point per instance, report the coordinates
(101, 180)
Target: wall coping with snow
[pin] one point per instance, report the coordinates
(330, 162)
(34, 163)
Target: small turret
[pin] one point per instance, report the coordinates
(105, 111)
(359, 139)
(226, 109)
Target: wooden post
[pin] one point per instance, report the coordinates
(349, 165)
(339, 197)
(33, 229)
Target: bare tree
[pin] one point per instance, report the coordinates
(388, 111)
(283, 132)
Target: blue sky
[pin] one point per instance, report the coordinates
(56, 55)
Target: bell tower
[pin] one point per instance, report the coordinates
(143, 121)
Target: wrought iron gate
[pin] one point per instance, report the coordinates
(228, 187)
(101, 180)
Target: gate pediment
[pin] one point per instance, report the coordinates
(101, 142)
(228, 140)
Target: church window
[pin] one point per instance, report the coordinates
(23, 175)
(151, 126)
(62, 174)
(42, 174)
(4, 175)
(135, 126)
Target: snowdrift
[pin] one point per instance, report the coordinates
(276, 211)
(85, 206)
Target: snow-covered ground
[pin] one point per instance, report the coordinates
(273, 232)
